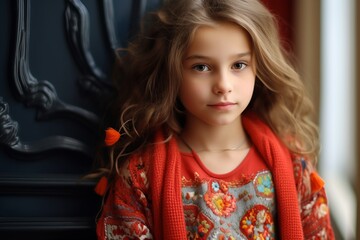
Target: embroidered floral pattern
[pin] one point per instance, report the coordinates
(245, 196)
(264, 185)
(212, 206)
(204, 226)
(126, 230)
(199, 227)
(257, 223)
(221, 204)
(302, 177)
(219, 200)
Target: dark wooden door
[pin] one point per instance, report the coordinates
(55, 60)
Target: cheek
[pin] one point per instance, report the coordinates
(191, 86)
(246, 88)
(186, 94)
(251, 87)
(191, 94)
(185, 100)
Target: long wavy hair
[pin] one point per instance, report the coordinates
(149, 74)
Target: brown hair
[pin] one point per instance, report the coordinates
(149, 76)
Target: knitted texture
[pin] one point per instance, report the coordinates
(165, 185)
(145, 201)
(278, 159)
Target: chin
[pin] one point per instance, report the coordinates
(225, 122)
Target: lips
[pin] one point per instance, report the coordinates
(222, 105)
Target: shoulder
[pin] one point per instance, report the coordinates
(308, 181)
(148, 164)
(313, 203)
(133, 174)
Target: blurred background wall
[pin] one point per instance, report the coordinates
(338, 110)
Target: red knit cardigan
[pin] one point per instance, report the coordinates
(167, 209)
(164, 174)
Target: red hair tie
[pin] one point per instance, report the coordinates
(316, 182)
(111, 136)
(101, 186)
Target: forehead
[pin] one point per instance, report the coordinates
(220, 37)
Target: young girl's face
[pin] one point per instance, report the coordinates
(218, 74)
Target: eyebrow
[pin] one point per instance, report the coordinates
(195, 56)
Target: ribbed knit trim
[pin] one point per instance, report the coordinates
(165, 183)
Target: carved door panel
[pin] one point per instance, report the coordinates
(55, 59)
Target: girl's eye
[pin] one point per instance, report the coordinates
(201, 68)
(240, 66)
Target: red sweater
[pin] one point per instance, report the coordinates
(301, 201)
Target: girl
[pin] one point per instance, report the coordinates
(216, 141)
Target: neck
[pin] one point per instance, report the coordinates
(201, 137)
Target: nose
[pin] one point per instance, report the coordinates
(222, 83)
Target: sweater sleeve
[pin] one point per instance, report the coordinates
(314, 210)
(126, 212)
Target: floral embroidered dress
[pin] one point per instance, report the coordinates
(158, 196)
(236, 205)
